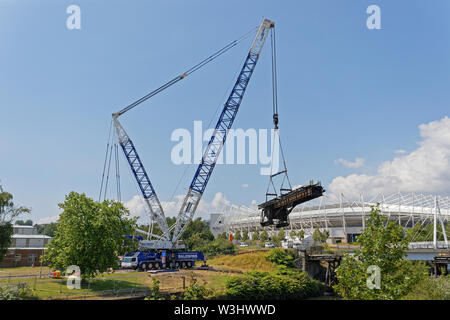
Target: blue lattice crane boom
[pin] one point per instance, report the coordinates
(145, 185)
(136, 165)
(215, 145)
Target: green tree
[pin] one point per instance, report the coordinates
(8, 212)
(24, 223)
(264, 236)
(281, 234)
(382, 245)
(89, 235)
(6, 231)
(245, 235)
(218, 246)
(292, 234)
(222, 235)
(301, 234)
(46, 229)
(255, 235)
(320, 236)
(237, 236)
(197, 234)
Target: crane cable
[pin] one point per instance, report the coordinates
(182, 178)
(105, 162)
(275, 122)
(187, 72)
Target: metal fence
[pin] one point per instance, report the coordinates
(128, 285)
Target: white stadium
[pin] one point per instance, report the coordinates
(344, 219)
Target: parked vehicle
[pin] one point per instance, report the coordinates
(269, 245)
(149, 260)
(286, 244)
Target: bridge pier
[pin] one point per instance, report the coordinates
(312, 264)
(441, 262)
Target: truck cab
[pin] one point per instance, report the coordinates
(129, 261)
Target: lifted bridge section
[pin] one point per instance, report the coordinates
(280, 207)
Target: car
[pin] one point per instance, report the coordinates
(269, 245)
(242, 244)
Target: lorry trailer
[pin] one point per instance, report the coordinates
(165, 259)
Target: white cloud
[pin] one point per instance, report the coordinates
(48, 220)
(244, 185)
(426, 169)
(138, 207)
(359, 162)
(400, 151)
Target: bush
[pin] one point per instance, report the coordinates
(196, 291)
(280, 257)
(283, 284)
(19, 292)
(154, 291)
(431, 289)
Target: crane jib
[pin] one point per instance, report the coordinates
(215, 145)
(139, 172)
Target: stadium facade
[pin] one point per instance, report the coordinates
(344, 219)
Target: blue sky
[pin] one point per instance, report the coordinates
(345, 92)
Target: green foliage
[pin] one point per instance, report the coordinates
(320, 236)
(24, 223)
(280, 257)
(301, 234)
(154, 291)
(19, 292)
(431, 288)
(292, 234)
(89, 234)
(281, 234)
(283, 284)
(264, 236)
(255, 236)
(383, 246)
(218, 246)
(245, 235)
(8, 212)
(237, 236)
(197, 235)
(46, 229)
(6, 231)
(222, 235)
(196, 291)
(155, 229)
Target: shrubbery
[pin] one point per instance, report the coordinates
(19, 292)
(431, 289)
(282, 284)
(281, 257)
(196, 291)
(285, 282)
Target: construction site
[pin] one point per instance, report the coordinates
(297, 241)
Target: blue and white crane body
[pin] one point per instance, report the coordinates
(168, 244)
